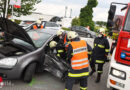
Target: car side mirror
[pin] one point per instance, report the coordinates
(111, 15)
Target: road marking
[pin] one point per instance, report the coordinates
(32, 82)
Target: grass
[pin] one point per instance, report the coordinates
(66, 29)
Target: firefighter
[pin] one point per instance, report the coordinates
(63, 38)
(77, 56)
(99, 55)
(59, 37)
(56, 48)
(41, 18)
(38, 25)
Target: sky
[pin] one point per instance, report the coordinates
(57, 7)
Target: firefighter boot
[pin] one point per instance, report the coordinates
(98, 78)
(93, 71)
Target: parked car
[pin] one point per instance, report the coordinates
(22, 53)
(46, 24)
(84, 32)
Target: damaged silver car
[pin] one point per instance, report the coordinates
(22, 53)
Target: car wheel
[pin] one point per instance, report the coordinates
(114, 89)
(88, 35)
(29, 72)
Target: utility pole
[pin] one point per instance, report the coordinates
(12, 12)
(6, 10)
(70, 13)
(66, 11)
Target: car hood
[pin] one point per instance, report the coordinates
(13, 30)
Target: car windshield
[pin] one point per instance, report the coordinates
(127, 23)
(51, 24)
(83, 28)
(39, 38)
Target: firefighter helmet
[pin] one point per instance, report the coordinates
(60, 32)
(72, 35)
(53, 44)
(38, 21)
(41, 18)
(102, 30)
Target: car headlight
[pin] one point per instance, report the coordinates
(118, 73)
(8, 62)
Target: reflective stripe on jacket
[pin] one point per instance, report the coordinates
(65, 41)
(101, 49)
(35, 27)
(59, 52)
(80, 55)
(78, 75)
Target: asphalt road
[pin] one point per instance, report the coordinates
(46, 81)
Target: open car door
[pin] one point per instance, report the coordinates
(56, 66)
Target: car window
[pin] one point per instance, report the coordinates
(80, 27)
(39, 38)
(77, 28)
(26, 23)
(127, 23)
(83, 28)
(73, 28)
(55, 25)
(29, 22)
(50, 24)
(43, 23)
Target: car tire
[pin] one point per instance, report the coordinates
(114, 89)
(29, 72)
(89, 36)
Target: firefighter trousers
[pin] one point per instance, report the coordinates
(71, 80)
(99, 67)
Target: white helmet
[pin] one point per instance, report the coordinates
(41, 18)
(72, 35)
(102, 30)
(38, 21)
(53, 44)
(60, 32)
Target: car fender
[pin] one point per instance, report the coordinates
(25, 60)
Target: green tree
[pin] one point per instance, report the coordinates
(75, 21)
(27, 6)
(101, 23)
(86, 14)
